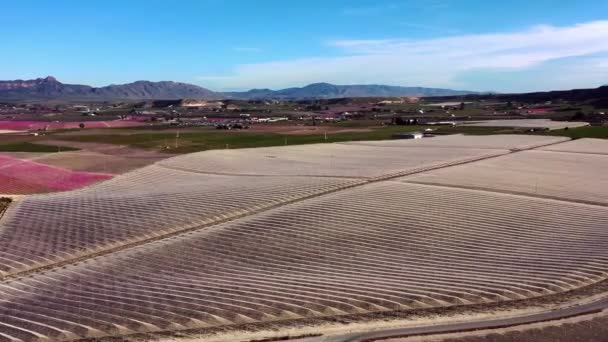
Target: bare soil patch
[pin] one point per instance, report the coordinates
(97, 162)
(110, 149)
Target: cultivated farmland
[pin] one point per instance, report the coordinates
(528, 123)
(366, 249)
(137, 206)
(598, 146)
(497, 141)
(546, 172)
(18, 176)
(44, 125)
(357, 159)
(227, 237)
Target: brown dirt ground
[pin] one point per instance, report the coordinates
(99, 157)
(96, 162)
(93, 157)
(107, 149)
(143, 130)
(14, 138)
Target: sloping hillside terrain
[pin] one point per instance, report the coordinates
(51, 88)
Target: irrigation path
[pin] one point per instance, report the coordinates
(562, 313)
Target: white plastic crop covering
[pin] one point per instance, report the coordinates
(254, 235)
(154, 201)
(570, 176)
(333, 160)
(381, 246)
(498, 141)
(201, 188)
(592, 146)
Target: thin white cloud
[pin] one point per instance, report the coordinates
(355, 11)
(433, 28)
(246, 49)
(428, 62)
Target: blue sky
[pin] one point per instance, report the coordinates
(503, 46)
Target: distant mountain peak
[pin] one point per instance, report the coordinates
(49, 87)
(323, 90)
(320, 84)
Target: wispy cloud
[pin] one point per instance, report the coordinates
(246, 49)
(435, 29)
(369, 10)
(432, 62)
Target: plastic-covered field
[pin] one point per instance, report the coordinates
(18, 176)
(378, 247)
(498, 141)
(332, 160)
(570, 176)
(592, 146)
(153, 201)
(176, 194)
(236, 236)
(37, 125)
(357, 159)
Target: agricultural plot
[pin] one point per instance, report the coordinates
(377, 247)
(150, 202)
(167, 197)
(370, 159)
(330, 160)
(528, 123)
(593, 146)
(18, 176)
(97, 162)
(498, 141)
(569, 176)
(255, 235)
(41, 125)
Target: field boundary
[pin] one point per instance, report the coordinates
(556, 302)
(465, 330)
(507, 192)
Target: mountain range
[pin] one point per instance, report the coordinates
(327, 91)
(50, 88)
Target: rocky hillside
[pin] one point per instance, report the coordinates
(328, 91)
(51, 88)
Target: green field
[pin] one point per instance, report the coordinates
(599, 132)
(208, 139)
(29, 147)
(213, 139)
